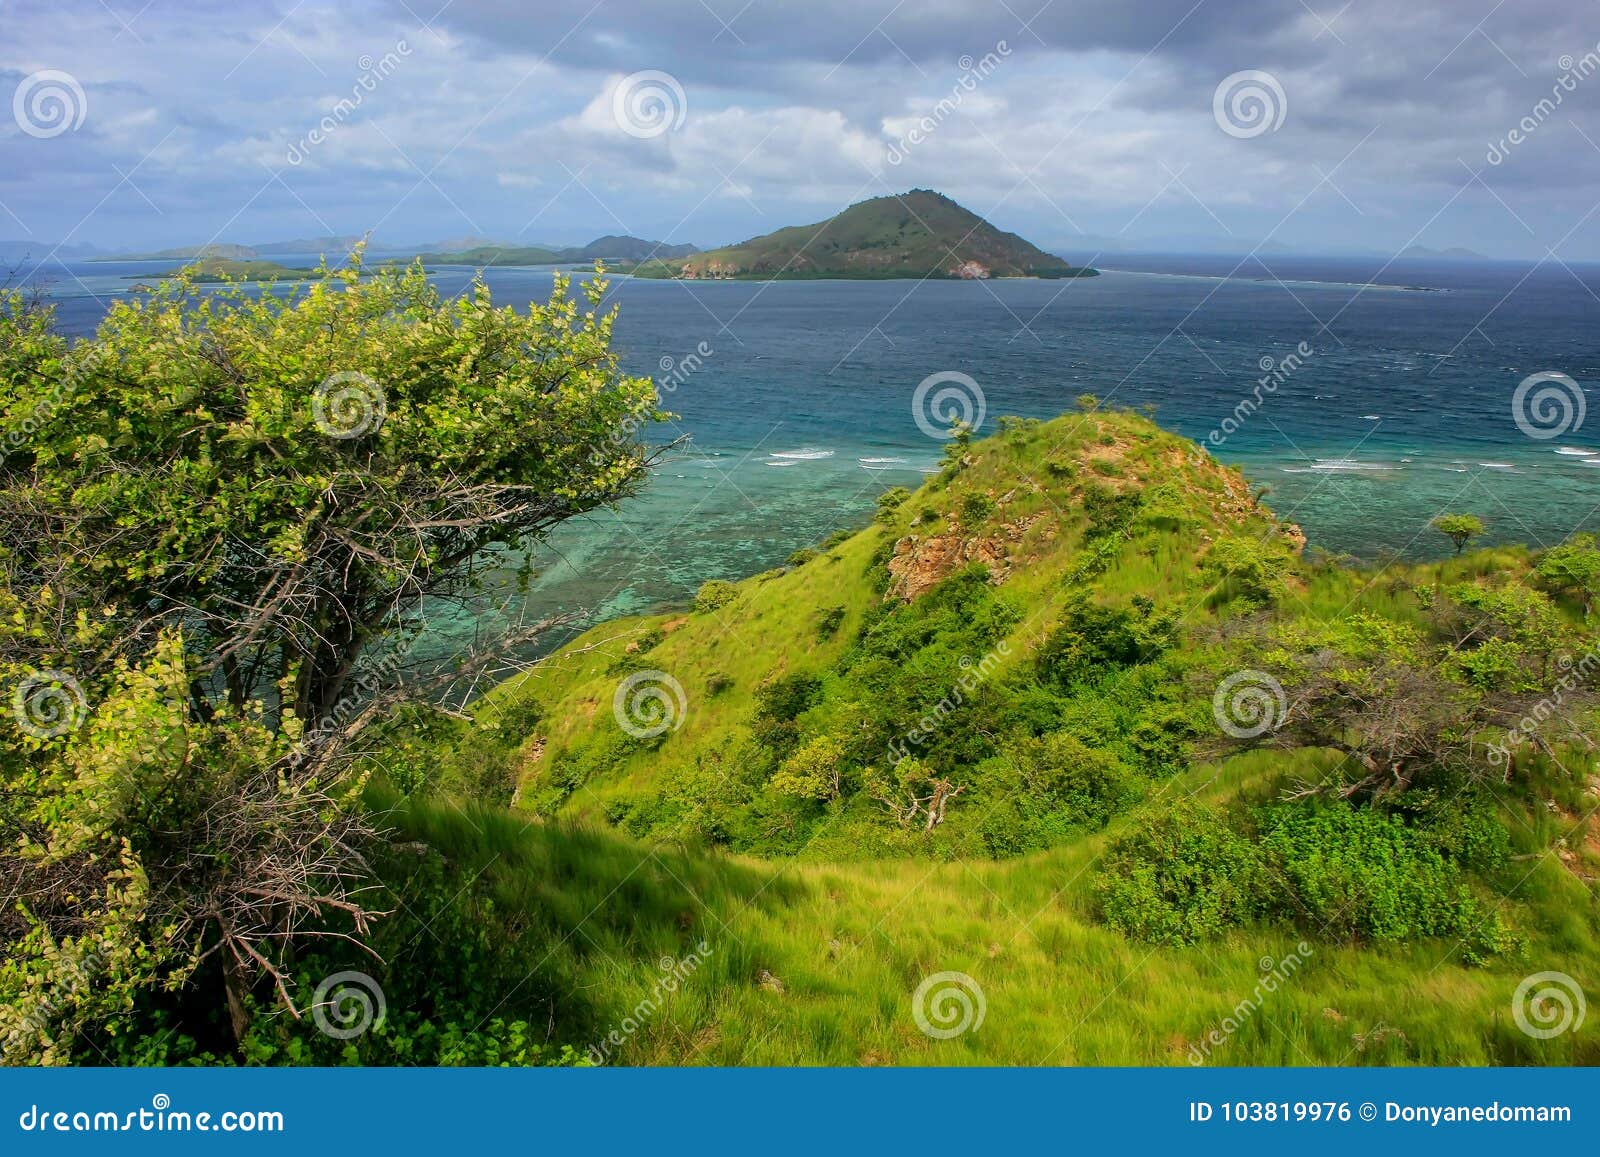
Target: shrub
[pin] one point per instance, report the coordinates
(829, 622)
(1364, 873)
(1181, 876)
(889, 502)
(714, 595)
(779, 702)
(976, 507)
(1255, 570)
(1056, 787)
(813, 772)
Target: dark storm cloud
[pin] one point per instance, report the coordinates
(719, 39)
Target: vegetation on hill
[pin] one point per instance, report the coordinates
(217, 270)
(1086, 670)
(1076, 721)
(216, 251)
(622, 251)
(225, 517)
(919, 234)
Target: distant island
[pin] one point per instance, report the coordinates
(920, 234)
(219, 252)
(1454, 253)
(616, 249)
(217, 269)
(621, 250)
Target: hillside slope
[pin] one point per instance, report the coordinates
(920, 234)
(1040, 629)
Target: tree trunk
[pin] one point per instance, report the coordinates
(238, 988)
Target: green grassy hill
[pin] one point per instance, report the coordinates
(1044, 630)
(918, 234)
(222, 269)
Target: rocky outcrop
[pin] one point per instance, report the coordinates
(920, 563)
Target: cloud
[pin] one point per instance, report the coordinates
(1097, 119)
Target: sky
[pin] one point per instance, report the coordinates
(1084, 125)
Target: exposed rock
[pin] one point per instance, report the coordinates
(921, 563)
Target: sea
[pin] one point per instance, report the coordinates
(1377, 395)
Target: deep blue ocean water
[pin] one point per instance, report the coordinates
(802, 410)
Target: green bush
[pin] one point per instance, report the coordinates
(714, 595)
(1363, 873)
(976, 507)
(1054, 787)
(1182, 876)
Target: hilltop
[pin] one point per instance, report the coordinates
(919, 234)
(1002, 730)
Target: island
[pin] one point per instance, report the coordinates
(920, 234)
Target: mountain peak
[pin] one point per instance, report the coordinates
(920, 234)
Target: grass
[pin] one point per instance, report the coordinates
(818, 947)
(817, 964)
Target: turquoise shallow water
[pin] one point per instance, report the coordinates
(798, 401)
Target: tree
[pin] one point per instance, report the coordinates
(1572, 569)
(816, 771)
(290, 480)
(1460, 529)
(1405, 706)
(211, 514)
